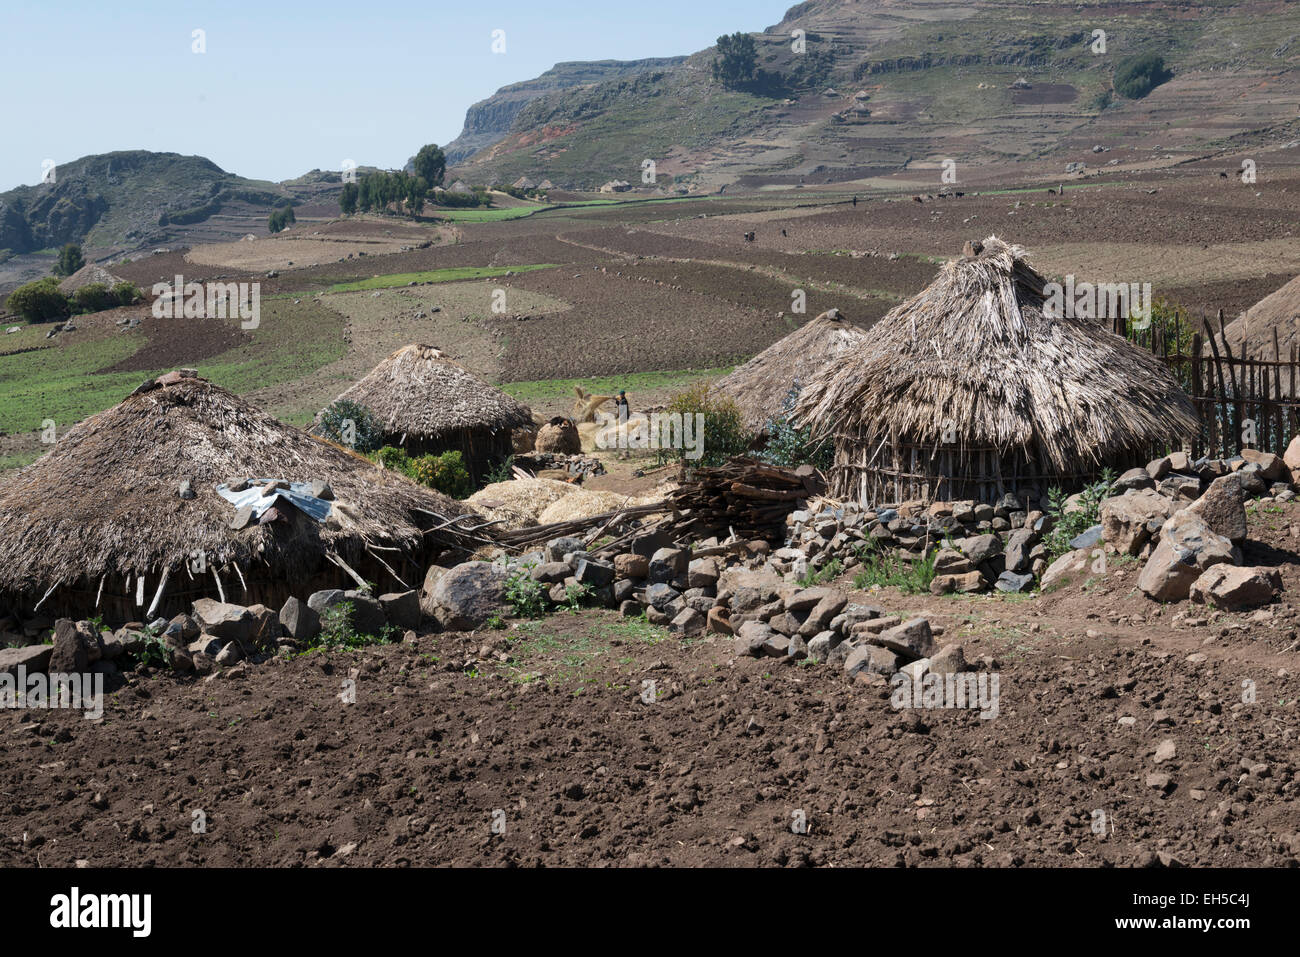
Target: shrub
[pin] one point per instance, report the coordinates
(337, 630)
(93, 297)
(1067, 525)
(446, 473)
(281, 219)
(1138, 75)
(789, 446)
(393, 458)
(70, 260)
(526, 597)
(886, 568)
(127, 293)
(724, 434)
(500, 473)
(352, 424)
(736, 60)
(39, 301)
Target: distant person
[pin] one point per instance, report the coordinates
(623, 411)
(855, 202)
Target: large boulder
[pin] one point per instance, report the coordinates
(1234, 589)
(402, 609)
(1065, 569)
(1130, 520)
(1271, 467)
(469, 594)
(1291, 458)
(33, 658)
(1223, 508)
(298, 620)
(431, 579)
(1188, 546)
(223, 620)
(76, 646)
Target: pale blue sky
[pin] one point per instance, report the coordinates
(290, 85)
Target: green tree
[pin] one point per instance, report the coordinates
(94, 297)
(70, 260)
(281, 219)
(1138, 75)
(351, 424)
(736, 61)
(430, 164)
(39, 301)
(348, 200)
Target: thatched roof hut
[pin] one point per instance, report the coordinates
(428, 403)
(1270, 329)
(968, 391)
(759, 387)
(99, 524)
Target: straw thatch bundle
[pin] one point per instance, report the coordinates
(1270, 329)
(519, 502)
(560, 436)
(98, 523)
(583, 503)
(967, 391)
(760, 386)
(428, 403)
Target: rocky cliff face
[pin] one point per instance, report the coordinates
(488, 121)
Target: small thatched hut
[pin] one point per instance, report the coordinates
(1270, 329)
(968, 391)
(102, 525)
(759, 387)
(428, 403)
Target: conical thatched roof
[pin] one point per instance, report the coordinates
(105, 502)
(87, 274)
(974, 353)
(760, 386)
(1253, 332)
(421, 393)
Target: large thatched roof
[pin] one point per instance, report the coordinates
(974, 353)
(759, 387)
(421, 393)
(1277, 315)
(105, 502)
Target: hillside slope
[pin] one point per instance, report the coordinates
(885, 85)
(489, 120)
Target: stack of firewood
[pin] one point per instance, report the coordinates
(743, 499)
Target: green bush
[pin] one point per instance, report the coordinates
(127, 293)
(93, 297)
(1068, 525)
(39, 301)
(70, 260)
(281, 219)
(886, 568)
(788, 446)
(391, 457)
(724, 434)
(527, 597)
(351, 424)
(446, 473)
(1138, 75)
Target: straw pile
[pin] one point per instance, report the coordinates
(583, 503)
(519, 503)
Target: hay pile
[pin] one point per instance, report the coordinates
(583, 503)
(519, 503)
(559, 435)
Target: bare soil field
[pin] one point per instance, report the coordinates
(544, 727)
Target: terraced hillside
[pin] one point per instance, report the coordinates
(886, 85)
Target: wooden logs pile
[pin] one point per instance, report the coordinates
(743, 499)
